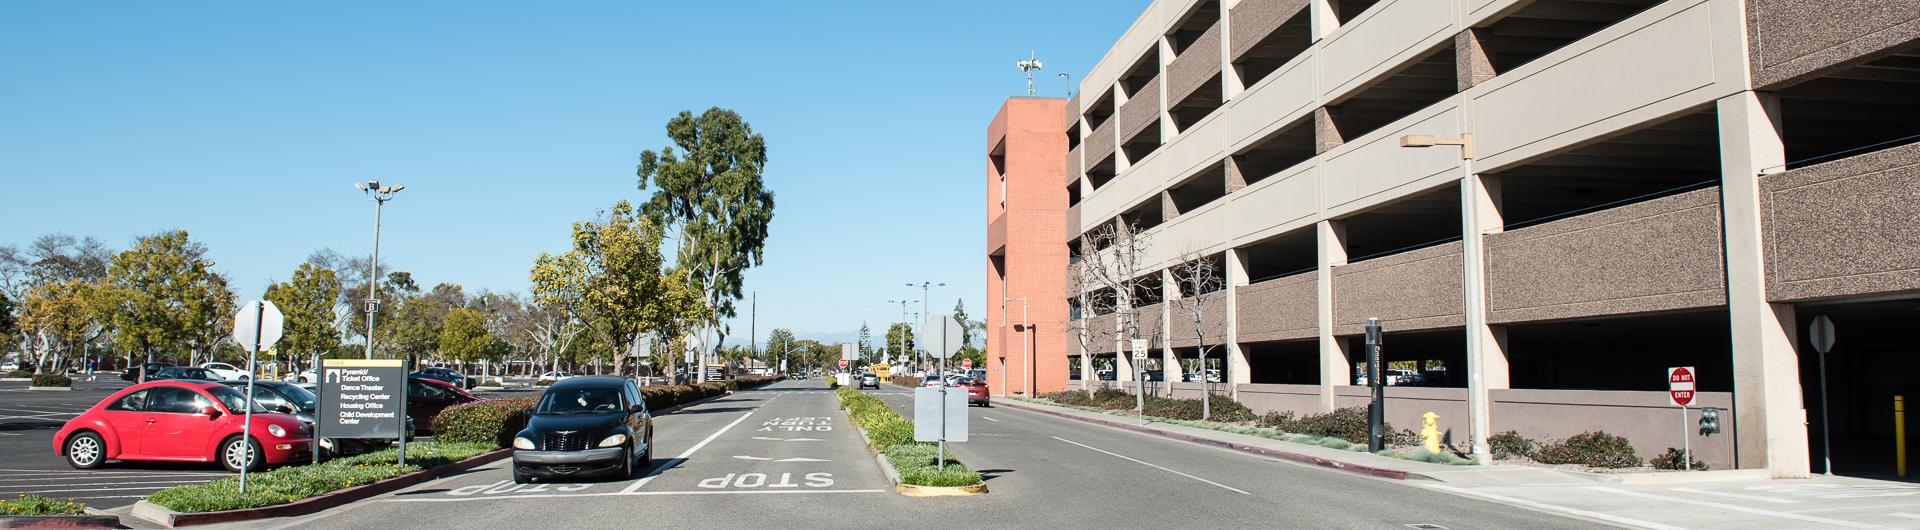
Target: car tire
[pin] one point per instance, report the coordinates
(626, 465)
(231, 457)
(86, 451)
(646, 458)
(521, 478)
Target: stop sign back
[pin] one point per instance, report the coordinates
(1680, 385)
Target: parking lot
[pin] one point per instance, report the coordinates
(28, 419)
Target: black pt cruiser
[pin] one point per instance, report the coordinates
(585, 426)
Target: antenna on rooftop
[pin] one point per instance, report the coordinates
(1028, 65)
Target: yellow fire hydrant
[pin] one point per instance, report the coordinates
(1430, 432)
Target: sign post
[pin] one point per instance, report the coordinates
(1821, 334)
(1139, 349)
(941, 334)
(1680, 380)
(256, 325)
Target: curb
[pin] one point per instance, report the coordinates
(51, 388)
(60, 521)
(158, 514)
(1349, 467)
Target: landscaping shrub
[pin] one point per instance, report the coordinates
(1592, 449)
(60, 380)
(892, 436)
(1671, 461)
(906, 381)
(1076, 398)
(20, 374)
(35, 505)
(544, 382)
(491, 422)
(1510, 444)
(918, 465)
(288, 484)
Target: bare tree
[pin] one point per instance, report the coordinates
(1198, 275)
(1109, 279)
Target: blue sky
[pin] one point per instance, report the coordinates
(247, 123)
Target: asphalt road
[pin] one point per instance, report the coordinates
(785, 456)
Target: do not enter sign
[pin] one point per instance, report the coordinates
(966, 364)
(1680, 385)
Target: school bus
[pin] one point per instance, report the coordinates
(880, 370)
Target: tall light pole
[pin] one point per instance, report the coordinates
(1473, 295)
(927, 287)
(901, 348)
(379, 195)
(1026, 355)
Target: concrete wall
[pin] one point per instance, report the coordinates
(1099, 144)
(1194, 67)
(1659, 255)
(1791, 40)
(1213, 311)
(1280, 309)
(1026, 234)
(1142, 109)
(1254, 19)
(1844, 228)
(1413, 290)
(1645, 418)
(1264, 398)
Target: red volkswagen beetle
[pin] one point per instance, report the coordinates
(179, 421)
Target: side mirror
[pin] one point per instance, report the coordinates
(283, 409)
(210, 411)
(636, 408)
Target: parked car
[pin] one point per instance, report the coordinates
(180, 421)
(977, 392)
(226, 371)
(1152, 375)
(183, 372)
(977, 373)
(931, 380)
(1104, 374)
(9, 366)
(310, 375)
(427, 397)
(133, 373)
(869, 380)
(585, 426)
(555, 377)
(446, 376)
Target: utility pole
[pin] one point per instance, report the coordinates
(380, 195)
(753, 326)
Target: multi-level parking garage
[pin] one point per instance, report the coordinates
(1647, 183)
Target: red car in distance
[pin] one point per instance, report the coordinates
(180, 421)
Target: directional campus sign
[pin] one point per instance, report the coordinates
(1680, 385)
(362, 398)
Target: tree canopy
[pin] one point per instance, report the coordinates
(710, 193)
(162, 295)
(308, 302)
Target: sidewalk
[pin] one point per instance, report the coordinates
(1744, 499)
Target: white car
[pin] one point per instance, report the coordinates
(9, 366)
(555, 376)
(307, 376)
(226, 372)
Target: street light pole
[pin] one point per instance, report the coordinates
(902, 346)
(925, 295)
(1473, 295)
(380, 195)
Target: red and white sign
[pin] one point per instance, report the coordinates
(1680, 385)
(843, 363)
(966, 364)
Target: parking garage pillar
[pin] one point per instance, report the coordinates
(1486, 354)
(1322, 20)
(1335, 371)
(1237, 365)
(1769, 414)
(1170, 370)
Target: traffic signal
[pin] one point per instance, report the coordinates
(1709, 421)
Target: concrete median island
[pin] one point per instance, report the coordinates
(911, 466)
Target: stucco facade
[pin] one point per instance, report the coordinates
(1640, 166)
(1026, 263)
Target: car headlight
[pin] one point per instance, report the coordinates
(613, 441)
(277, 431)
(521, 442)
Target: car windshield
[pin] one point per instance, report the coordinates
(579, 401)
(233, 399)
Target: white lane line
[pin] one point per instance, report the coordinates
(1553, 508)
(989, 418)
(690, 450)
(1131, 459)
(1738, 496)
(139, 488)
(9, 487)
(1738, 508)
(1904, 515)
(56, 472)
(639, 493)
(3, 481)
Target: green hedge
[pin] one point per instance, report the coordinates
(288, 484)
(906, 381)
(1220, 408)
(892, 436)
(35, 505)
(1592, 449)
(20, 374)
(52, 380)
(489, 422)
